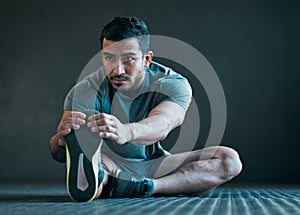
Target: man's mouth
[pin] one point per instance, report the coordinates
(118, 80)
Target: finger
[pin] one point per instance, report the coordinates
(74, 120)
(100, 122)
(77, 114)
(92, 124)
(117, 139)
(61, 142)
(104, 129)
(78, 121)
(70, 126)
(65, 132)
(94, 117)
(108, 135)
(100, 116)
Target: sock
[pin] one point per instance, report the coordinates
(127, 186)
(100, 177)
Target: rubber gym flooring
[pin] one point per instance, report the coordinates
(241, 200)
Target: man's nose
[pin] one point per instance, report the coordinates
(119, 69)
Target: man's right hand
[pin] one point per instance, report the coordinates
(70, 120)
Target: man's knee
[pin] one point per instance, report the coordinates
(230, 162)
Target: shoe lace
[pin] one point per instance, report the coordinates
(139, 189)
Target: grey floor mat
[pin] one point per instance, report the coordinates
(42, 199)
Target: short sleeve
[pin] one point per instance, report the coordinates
(176, 89)
(81, 98)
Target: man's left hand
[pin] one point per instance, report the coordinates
(108, 126)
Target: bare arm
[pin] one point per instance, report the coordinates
(159, 122)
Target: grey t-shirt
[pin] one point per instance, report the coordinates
(95, 94)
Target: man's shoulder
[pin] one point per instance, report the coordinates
(86, 93)
(161, 74)
(90, 85)
(96, 81)
(94, 78)
(159, 69)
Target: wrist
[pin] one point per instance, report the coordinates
(55, 142)
(58, 151)
(131, 132)
(58, 139)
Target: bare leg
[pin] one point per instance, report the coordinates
(194, 175)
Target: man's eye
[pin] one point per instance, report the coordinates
(127, 59)
(109, 58)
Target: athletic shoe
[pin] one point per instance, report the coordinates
(84, 171)
(121, 188)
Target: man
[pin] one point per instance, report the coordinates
(115, 118)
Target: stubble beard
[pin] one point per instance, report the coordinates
(133, 88)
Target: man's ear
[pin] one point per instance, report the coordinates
(148, 58)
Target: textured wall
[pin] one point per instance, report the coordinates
(252, 45)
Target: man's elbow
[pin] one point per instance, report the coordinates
(169, 127)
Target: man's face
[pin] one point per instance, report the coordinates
(124, 64)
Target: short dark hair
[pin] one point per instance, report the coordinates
(121, 28)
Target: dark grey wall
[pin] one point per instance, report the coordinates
(252, 45)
